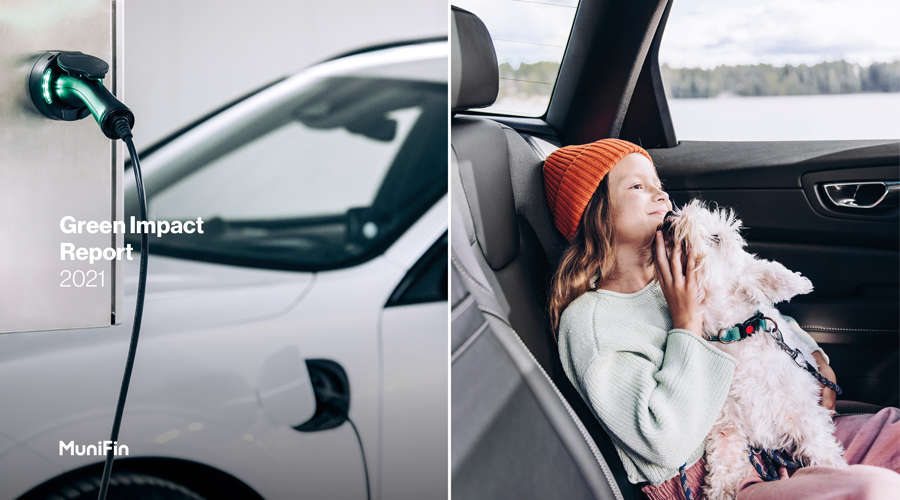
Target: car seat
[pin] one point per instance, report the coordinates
(514, 436)
(497, 191)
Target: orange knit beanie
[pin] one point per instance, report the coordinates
(572, 174)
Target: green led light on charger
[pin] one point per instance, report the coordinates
(45, 86)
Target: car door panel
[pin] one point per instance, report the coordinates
(788, 215)
(760, 165)
(414, 434)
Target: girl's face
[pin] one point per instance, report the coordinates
(637, 200)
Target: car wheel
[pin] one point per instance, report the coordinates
(125, 486)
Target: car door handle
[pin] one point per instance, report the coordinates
(863, 194)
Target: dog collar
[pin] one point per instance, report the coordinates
(742, 330)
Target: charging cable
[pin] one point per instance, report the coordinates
(123, 131)
(363, 453)
(68, 86)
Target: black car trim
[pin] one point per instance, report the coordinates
(430, 257)
(648, 121)
(603, 60)
(267, 263)
(535, 126)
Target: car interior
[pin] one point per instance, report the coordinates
(520, 430)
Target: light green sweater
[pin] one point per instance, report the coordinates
(656, 390)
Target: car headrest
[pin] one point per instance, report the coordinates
(475, 78)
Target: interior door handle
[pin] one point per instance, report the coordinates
(863, 194)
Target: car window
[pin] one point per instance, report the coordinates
(357, 162)
(293, 171)
(782, 69)
(529, 38)
(426, 281)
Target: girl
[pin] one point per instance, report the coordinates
(629, 338)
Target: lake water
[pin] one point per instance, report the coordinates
(788, 118)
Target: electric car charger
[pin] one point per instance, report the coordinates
(69, 86)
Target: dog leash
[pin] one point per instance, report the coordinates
(801, 362)
(770, 457)
(770, 473)
(761, 323)
(684, 483)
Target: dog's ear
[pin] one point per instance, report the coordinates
(765, 282)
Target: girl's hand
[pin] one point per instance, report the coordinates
(828, 396)
(679, 285)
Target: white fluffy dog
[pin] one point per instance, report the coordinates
(773, 403)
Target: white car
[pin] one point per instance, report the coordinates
(317, 291)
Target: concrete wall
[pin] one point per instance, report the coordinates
(184, 58)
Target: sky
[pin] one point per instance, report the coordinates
(525, 30)
(707, 33)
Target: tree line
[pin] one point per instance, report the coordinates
(528, 79)
(836, 77)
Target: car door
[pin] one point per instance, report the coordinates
(414, 356)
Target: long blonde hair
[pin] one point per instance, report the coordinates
(589, 260)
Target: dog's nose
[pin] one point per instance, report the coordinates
(666, 226)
